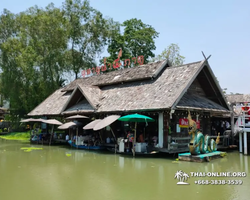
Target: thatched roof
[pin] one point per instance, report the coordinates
(160, 93)
(238, 98)
(141, 72)
(154, 86)
(52, 105)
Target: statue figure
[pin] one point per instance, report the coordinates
(198, 143)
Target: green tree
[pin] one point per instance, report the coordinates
(39, 46)
(32, 57)
(137, 39)
(172, 54)
(88, 33)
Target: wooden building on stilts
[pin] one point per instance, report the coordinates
(158, 90)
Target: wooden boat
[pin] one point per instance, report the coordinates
(72, 144)
(137, 154)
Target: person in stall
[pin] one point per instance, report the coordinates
(74, 138)
(130, 137)
(140, 138)
(155, 140)
(67, 137)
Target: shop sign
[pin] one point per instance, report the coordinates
(115, 65)
(183, 123)
(245, 108)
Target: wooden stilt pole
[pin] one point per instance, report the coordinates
(114, 137)
(245, 143)
(51, 134)
(77, 137)
(134, 142)
(240, 142)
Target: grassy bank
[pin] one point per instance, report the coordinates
(17, 136)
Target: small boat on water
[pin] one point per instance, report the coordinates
(72, 144)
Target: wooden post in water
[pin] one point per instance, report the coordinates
(245, 142)
(113, 136)
(134, 141)
(240, 142)
(77, 137)
(51, 134)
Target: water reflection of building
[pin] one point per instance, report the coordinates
(158, 90)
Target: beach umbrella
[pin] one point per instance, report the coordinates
(31, 120)
(136, 118)
(26, 120)
(106, 122)
(67, 125)
(53, 122)
(77, 117)
(92, 124)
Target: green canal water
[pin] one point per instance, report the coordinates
(62, 173)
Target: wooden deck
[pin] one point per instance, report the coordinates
(202, 157)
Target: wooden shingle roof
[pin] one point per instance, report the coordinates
(160, 93)
(238, 98)
(52, 105)
(153, 86)
(141, 72)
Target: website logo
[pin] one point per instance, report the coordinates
(182, 177)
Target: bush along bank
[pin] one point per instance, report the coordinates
(17, 136)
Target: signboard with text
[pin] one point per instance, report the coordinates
(115, 65)
(183, 123)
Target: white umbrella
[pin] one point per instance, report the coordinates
(92, 124)
(106, 122)
(32, 120)
(53, 122)
(67, 125)
(77, 117)
(27, 120)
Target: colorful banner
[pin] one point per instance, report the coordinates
(183, 123)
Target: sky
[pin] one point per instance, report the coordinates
(218, 28)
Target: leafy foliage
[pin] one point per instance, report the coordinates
(39, 46)
(172, 54)
(137, 39)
